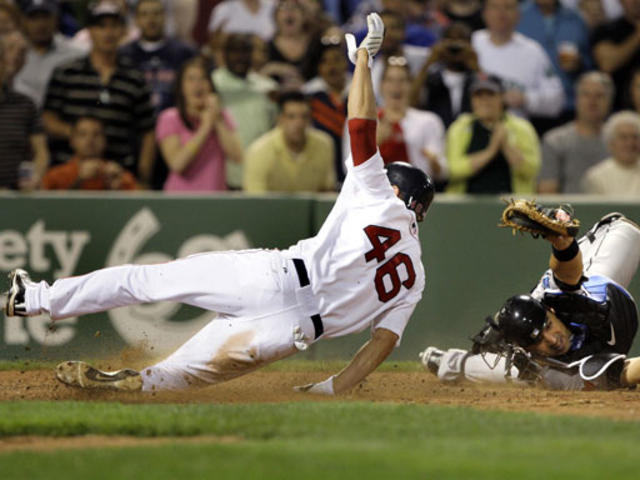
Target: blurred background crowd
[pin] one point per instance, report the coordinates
(488, 97)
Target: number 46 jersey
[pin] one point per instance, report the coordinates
(365, 263)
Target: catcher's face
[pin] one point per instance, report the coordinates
(556, 338)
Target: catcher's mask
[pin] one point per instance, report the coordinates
(415, 187)
(521, 320)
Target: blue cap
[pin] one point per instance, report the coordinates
(32, 6)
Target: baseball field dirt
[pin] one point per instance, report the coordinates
(387, 386)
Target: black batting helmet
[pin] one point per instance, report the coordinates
(416, 187)
(521, 320)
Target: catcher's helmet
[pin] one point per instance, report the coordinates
(416, 187)
(521, 320)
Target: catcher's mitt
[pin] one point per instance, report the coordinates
(527, 216)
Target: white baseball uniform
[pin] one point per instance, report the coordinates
(610, 254)
(363, 269)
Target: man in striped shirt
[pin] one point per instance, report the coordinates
(22, 137)
(108, 87)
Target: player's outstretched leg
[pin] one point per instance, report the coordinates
(18, 281)
(81, 374)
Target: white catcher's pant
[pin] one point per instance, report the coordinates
(612, 250)
(256, 294)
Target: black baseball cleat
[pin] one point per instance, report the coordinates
(431, 358)
(81, 374)
(18, 281)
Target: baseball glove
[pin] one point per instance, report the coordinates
(527, 216)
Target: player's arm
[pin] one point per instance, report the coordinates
(566, 261)
(372, 354)
(361, 105)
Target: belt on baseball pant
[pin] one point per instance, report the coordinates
(303, 278)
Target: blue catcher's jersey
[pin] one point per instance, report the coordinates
(594, 288)
(601, 313)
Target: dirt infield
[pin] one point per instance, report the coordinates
(401, 387)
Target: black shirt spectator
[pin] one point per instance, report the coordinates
(107, 86)
(122, 104)
(19, 122)
(616, 48)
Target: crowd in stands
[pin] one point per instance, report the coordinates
(486, 96)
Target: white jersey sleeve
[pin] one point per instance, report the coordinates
(396, 320)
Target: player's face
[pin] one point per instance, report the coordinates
(501, 16)
(88, 140)
(625, 144)
(40, 27)
(294, 120)
(195, 87)
(592, 101)
(106, 34)
(556, 338)
(150, 19)
(631, 9)
(395, 85)
(486, 105)
(333, 68)
(289, 17)
(238, 52)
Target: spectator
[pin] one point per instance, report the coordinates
(404, 133)
(293, 52)
(87, 169)
(293, 157)
(47, 48)
(564, 37)
(83, 40)
(158, 56)
(442, 86)
(611, 9)
(592, 13)
(490, 151)
(328, 95)
(196, 136)
(246, 95)
(244, 16)
(465, 11)
(619, 174)
(634, 91)
(9, 18)
(616, 48)
(240, 16)
(569, 150)
(532, 87)
(107, 86)
(15, 50)
(22, 138)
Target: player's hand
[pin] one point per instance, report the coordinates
(323, 388)
(371, 43)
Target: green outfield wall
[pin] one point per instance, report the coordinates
(471, 265)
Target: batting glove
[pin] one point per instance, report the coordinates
(371, 43)
(323, 388)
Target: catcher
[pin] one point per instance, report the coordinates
(575, 328)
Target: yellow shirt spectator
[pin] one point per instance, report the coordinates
(270, 166)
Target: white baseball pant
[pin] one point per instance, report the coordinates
(263, 312)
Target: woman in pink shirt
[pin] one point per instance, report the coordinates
(196, 136)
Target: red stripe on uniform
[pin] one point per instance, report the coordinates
(363, 139)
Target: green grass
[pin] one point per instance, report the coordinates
(321, 441)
